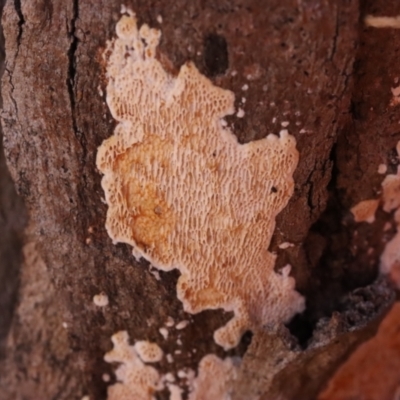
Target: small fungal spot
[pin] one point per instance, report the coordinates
(234, 73)
(164, 333)
(148, 352)
(182, 325)
(170, 322)
(382, 22)
(64, 325)
(169, 377)
(382, 169)
(169, 358)
(365, 211)
(215, 54)
(159, 19)
(181, 374)
(100, 300)
(243, 100)
(106, 378)
(240, 113)
(245, 87)
(154, 272)
(285, 245)
(285, 124)
(175, 392)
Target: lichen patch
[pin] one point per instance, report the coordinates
(185, 194)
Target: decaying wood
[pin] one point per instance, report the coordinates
(310, 63)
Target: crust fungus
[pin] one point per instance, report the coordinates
(365, 211)
(185, 194)
(214, 379)
(135, 379)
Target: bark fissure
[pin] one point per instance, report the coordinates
(21, 22)
(335, 37)
(72, 67)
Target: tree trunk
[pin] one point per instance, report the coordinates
(309, 63)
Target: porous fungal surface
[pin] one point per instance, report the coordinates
(148, 352)
(214, 379)
(185, 194)
(138, 381)
(135, 379)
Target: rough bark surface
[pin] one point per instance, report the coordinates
(298, 60)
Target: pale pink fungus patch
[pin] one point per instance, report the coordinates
(185, 194)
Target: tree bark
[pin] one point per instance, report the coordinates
(311, 63)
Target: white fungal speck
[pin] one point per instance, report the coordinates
(273, 120)
(106, 378)
(234, 73)
(170, 322)
(154, 272)
(183, 324)
(285, 245)
(245, 87)
(382, 168)
(100, 300)
(240, 113)
(243, 100)
(382, 22)
(169, 377)
(164, 332)
(285, 124)
(169, 358)
(181, 374)
(159, 19)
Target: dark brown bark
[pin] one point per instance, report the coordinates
(302, 55)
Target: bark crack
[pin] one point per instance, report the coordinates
(335, 38)
(72, 64)
(21, 23)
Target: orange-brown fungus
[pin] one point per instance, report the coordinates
(185, 194)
